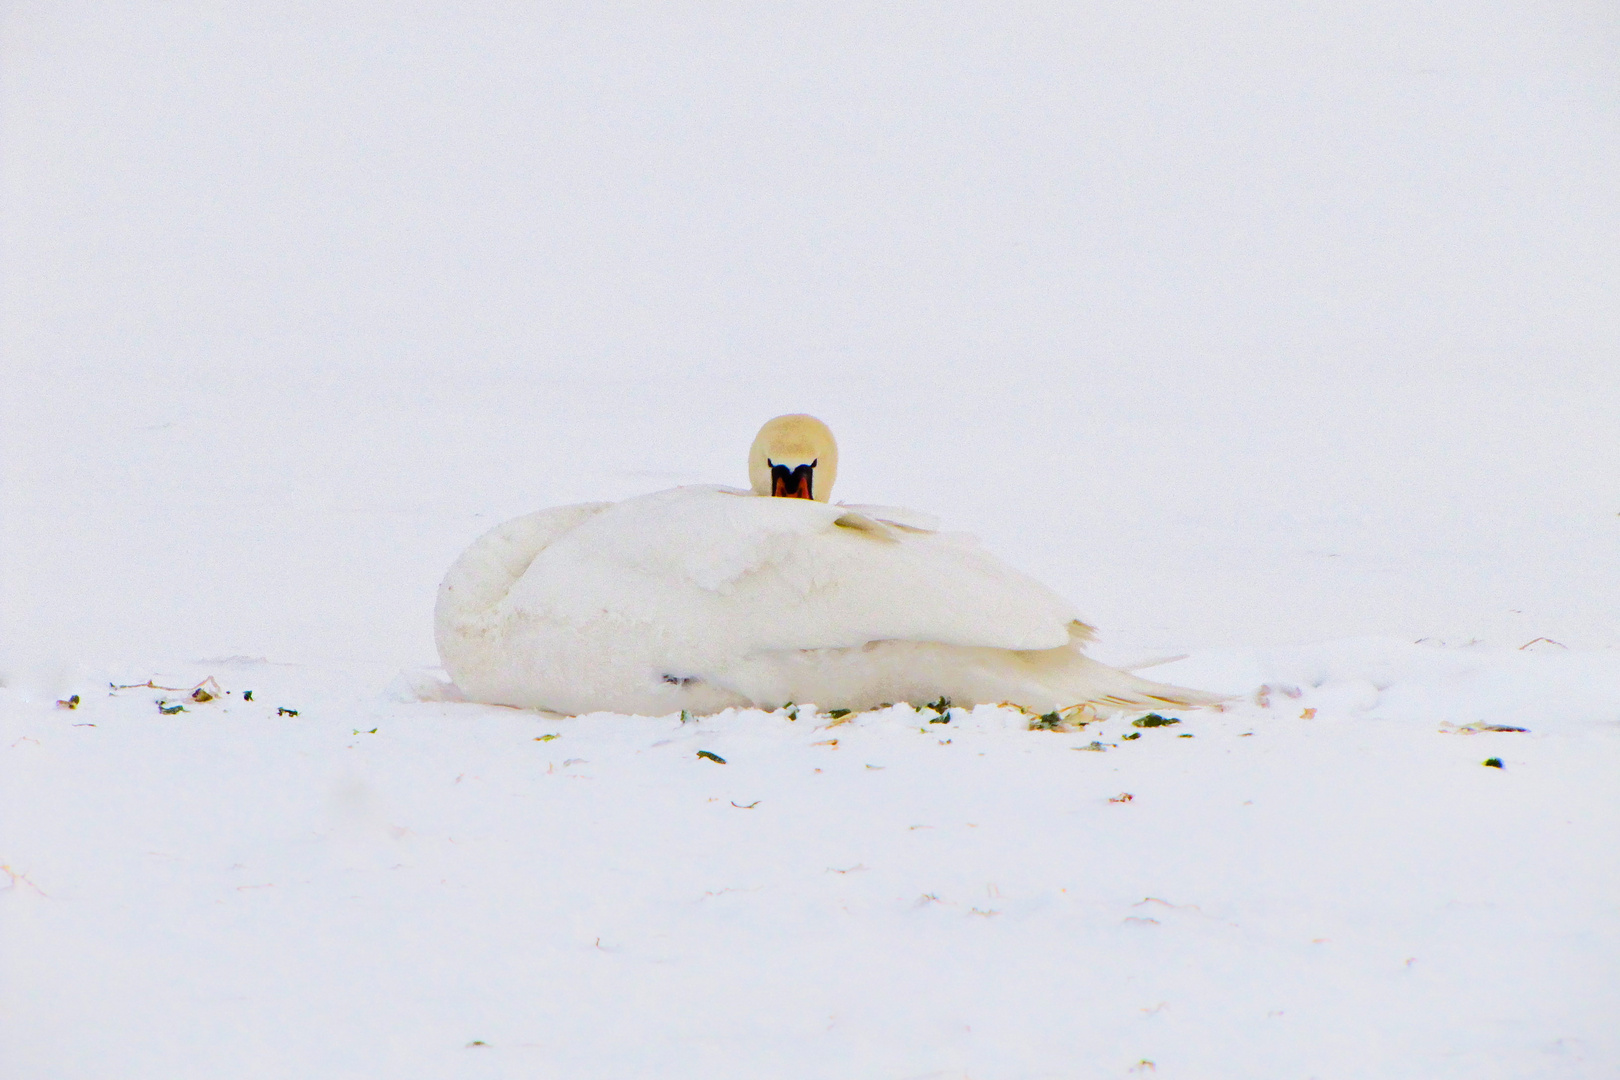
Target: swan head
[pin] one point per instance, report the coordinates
(793, 457)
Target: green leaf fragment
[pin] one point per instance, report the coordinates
(1153, 719)
(546, 738)
(837, 713)
(711, 757)
(1495, 763)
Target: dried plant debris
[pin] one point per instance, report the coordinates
(282, 710)
(1448, 728)
(839, 714)
(68, 703)
(711, 757)
(207, 690)
(1075, 716)
(1494, 763)
(169, 710)
(1262, 696)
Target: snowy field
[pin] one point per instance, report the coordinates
(1282, 339)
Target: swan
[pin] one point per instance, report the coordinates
(705, 598)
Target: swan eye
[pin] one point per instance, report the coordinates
(789, 483)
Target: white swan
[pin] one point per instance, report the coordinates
(705, 598)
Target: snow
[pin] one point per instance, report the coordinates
(374, 888)
(1279, 338)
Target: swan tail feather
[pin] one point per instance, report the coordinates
(1091, 683)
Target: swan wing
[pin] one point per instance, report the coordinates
(714, 573)
(484, 574)
(903, 516)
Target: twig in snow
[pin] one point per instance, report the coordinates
(1165, 903)
(16, 877)
(207, 690)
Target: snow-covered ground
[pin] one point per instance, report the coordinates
(376, 888)
(1281, 337)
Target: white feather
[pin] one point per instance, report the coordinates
(704, 598)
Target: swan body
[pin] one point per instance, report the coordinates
(705, 598)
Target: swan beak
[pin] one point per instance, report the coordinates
(796, 483)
